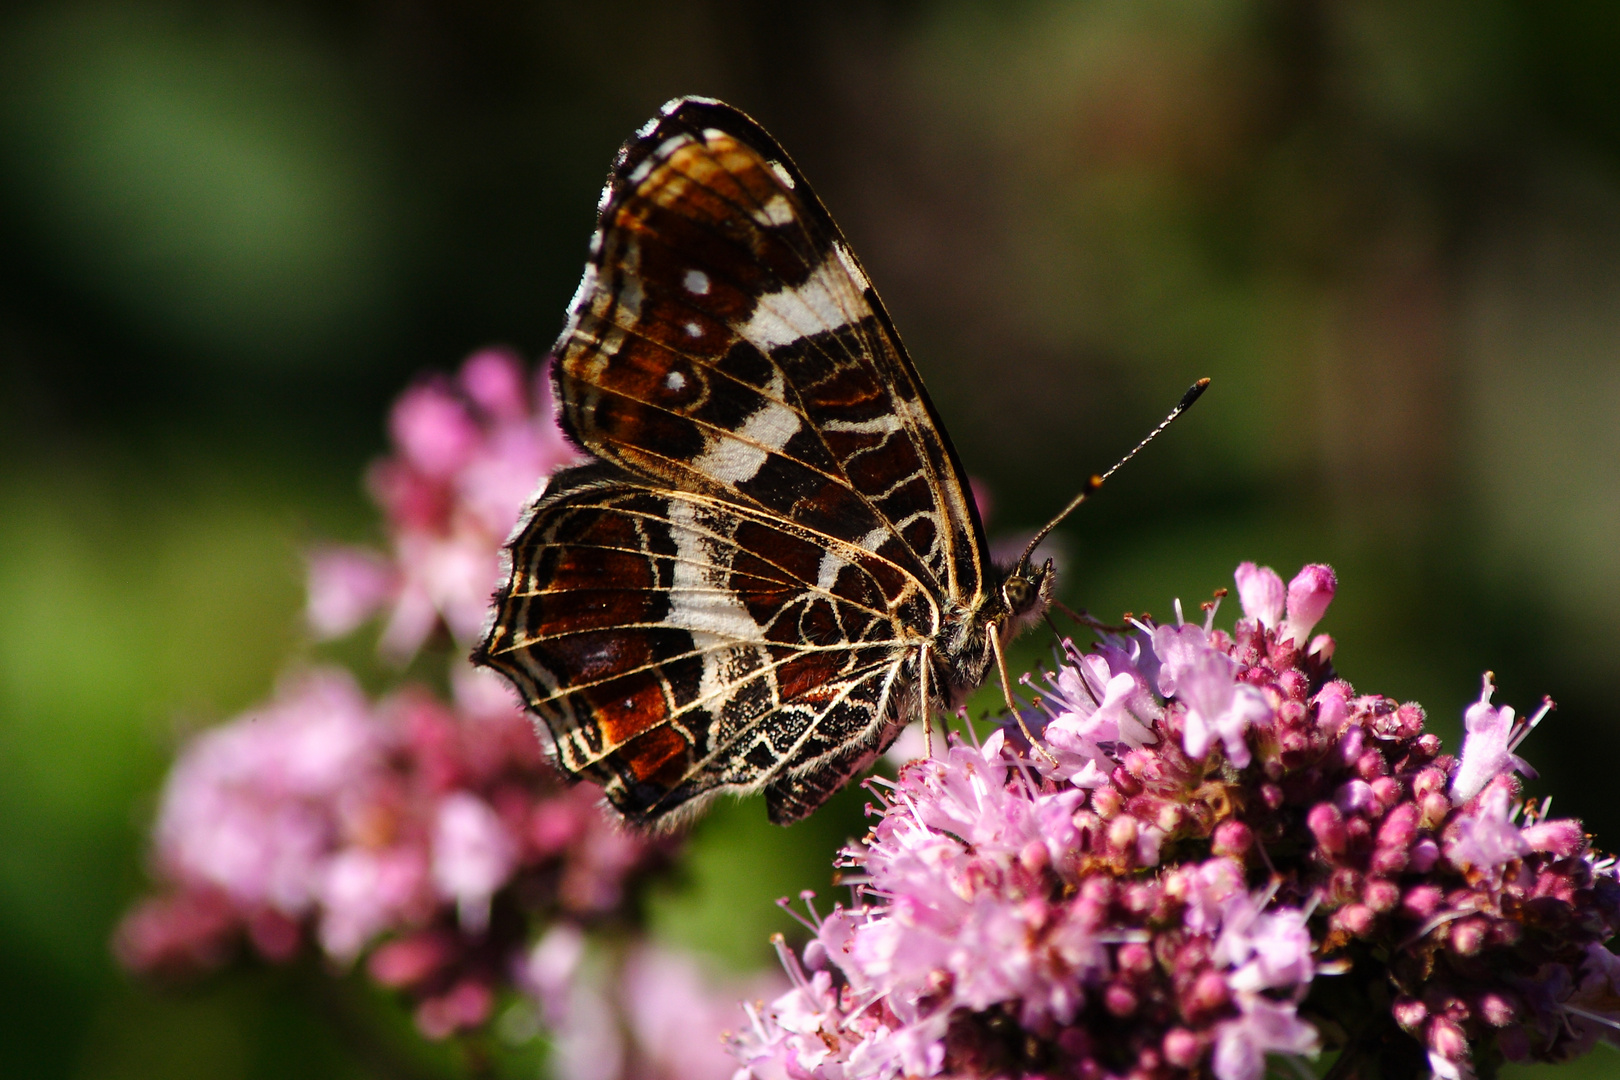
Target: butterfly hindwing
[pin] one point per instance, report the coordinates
(676, 647)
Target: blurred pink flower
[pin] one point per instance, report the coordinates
(396, 827)
(469, 454)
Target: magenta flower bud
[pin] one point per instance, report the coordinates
(1127, 783)
(1422, 901)
(1119, 999)
(1428, 781)
(1327, 825)
(1034, 857)
(1387, 791)
(1399, 827)
(1467, 936)
(1309, 595)
(1447, 1040)
(1294, 684)
(1262, 593)
(1209, 994)
(1425, 853)
(1355, 797)
(1496, 1009)
(1356, 919)
(1107, 802)
(1382, 895)
(1271, 795)
(1352, 743)
(1135, 957)
(1357, 830)
(1410, 1013)
(1371, 765)
(1232, 838)
(1182, 1049)
(1122, 832)
(1435, 807)
(1562, 837)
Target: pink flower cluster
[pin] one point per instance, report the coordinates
(428, 840)
(469, 453)
(427, 834)
(1216, 850)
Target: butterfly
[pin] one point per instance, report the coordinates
(774, 561)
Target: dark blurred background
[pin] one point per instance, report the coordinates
(234, 231)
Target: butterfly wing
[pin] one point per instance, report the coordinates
(728, 361)
(725, 339)
(677, 646)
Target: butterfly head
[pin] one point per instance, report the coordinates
(1026, 592)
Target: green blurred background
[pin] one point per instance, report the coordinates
(233, 231)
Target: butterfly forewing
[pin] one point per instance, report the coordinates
(739, 594)
(725, 338)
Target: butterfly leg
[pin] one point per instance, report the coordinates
(1006, 692)
(927, 717)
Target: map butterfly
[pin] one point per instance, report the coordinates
(774, 561)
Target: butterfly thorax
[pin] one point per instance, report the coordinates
(965, 656)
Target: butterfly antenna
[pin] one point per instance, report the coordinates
(1194, 392)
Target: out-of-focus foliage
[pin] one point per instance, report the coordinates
(234, 231)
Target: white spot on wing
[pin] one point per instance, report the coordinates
(829, 300)
(696, 282)
(732, 459)
(782, 174)
(675, 380)
(887, 423)
(846, 258)
(694, 330)
(777, 211)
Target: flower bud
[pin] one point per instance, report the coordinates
(1382, 895)
(1562, 837)
(1410, 1013)
(1467, 936)
(1309, 595)
(1496, 1009)
(1119, 999)
(1447, 1040)
(1327, 825)
(1232, 838)
(1356, 919)
(1182, 1049)
(1422, 901)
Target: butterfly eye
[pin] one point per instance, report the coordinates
(1018, 592)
